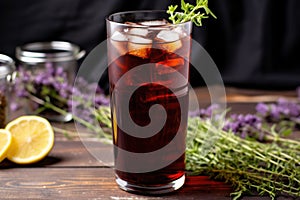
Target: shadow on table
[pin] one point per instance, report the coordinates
(49, 160)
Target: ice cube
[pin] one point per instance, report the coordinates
(154, 23)
(180, 31)
(119, 41)
(169, 40)
(139, 46)
(139, 40)
(168, 35)
(138, 31)
(118, 36)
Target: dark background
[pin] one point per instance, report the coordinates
(255, 43)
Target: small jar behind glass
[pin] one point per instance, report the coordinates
(7, 75)
(36, 57)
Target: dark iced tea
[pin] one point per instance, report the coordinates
(161, 52)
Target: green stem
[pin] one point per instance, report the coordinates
(284, 140)
(256, 177)
(81, 121)
(190, 14)
(273, 173)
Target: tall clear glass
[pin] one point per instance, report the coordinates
(148, 75)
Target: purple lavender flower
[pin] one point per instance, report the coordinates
(14, 106)
(194, 113)
(101, 100)
(25, 75)
(53, 84)
(59, 72)
(280, 110)
(39, 78)
(245, 126)
(50, 68)
(205, 112)
(275, 112)
(288, 108)
(262, 109)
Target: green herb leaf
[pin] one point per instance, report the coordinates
(190, 12)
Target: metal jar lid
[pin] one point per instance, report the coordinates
(7, 66)
(55, 51)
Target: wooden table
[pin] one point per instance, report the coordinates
(71, 172)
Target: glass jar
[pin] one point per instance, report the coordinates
(7, 75)
(35, 57)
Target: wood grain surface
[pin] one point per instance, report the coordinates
(69, 172)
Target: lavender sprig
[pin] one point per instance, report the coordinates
(283, 112)
(246, 126)
(48, 85)
(283, 116)
(50, 91)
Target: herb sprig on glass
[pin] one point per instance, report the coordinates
(195, 13)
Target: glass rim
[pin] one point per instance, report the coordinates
(7, 66)
(107, 18)
(34, 52)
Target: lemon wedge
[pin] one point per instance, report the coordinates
(32, 139)
(5, 142)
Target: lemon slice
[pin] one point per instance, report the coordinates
(32, 139)
(5, 141)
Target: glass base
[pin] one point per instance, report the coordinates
(151, 190)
